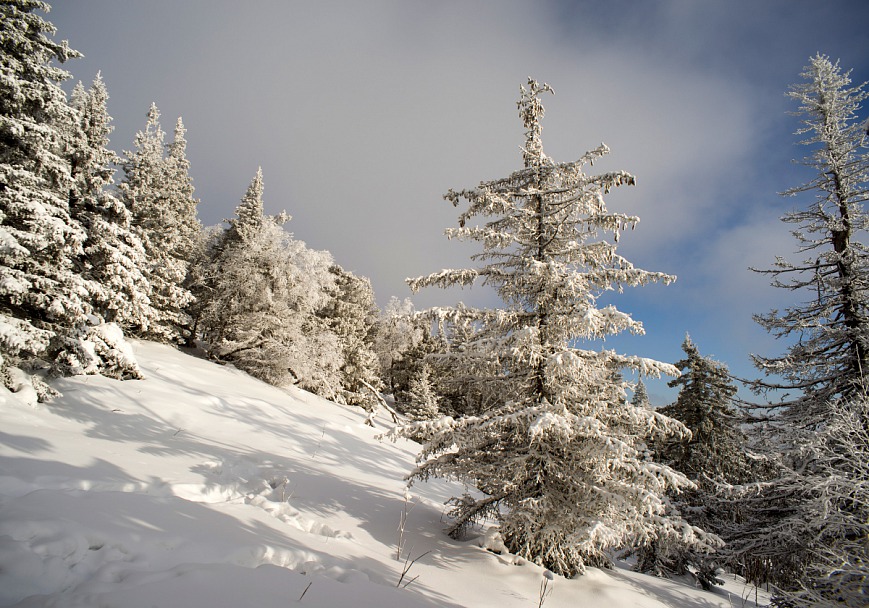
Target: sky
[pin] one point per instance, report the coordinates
(363, 114)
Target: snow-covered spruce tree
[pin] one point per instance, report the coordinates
(44, 300)
(398, 331)
(835, 512)
(158, 191)
(705, 405)
(200, 277)
(351, 315)
(563, 459)
(824, 366)
(807, 530)
(641, 395)
(715, 454)
(181, 193)
(831, 355)
(266, 292)
(113, 255)
(421, 399)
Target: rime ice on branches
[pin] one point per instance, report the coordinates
(561, 455)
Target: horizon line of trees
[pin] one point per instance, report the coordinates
(506, 400)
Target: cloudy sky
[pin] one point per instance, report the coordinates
(363, 114)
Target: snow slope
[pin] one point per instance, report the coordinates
(202, 487)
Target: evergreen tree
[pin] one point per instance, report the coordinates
(420, 402)
(831, 353)
(421, 399)
(158, 191)
(44, 300)
(562, 458)
(351, 315)
(705, 406)
(200, 277)
(180, 194)
(113, 255)
(829, 331)
(250, 215)
(266, 292)
(641, 395)
(714, 456)
(806, 529)
(397, 333)
(833, 525)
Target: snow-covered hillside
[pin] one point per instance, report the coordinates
(200, 486)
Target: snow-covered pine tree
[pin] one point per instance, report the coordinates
(200, 275)
(641, 395)
(158, 191)
(714, 455)
(824, 366)
(113, 255)
(562, 460)
(704, 404)
(835, 514)
(44, 300)
(421, 398)
(420, 401)
(352, 315)
(398, 331)
(181, 194)
(265, 292)
(831, 355)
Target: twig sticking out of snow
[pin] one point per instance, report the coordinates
(319, 443)
(545, 591)
(402, 523)
(408, 564)
(305, 591)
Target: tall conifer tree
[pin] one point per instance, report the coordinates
(113, 256)
(352, 315)
(705, 405)
(265, 292)
(562, 458)
(158, 191)
(830, 358)
(715, 456)
(823, 370)
(44, 300)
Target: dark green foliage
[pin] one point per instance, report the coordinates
(714, 457)
(716, 450)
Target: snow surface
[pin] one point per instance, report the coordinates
(200, 486)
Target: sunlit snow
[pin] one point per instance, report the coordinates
(202, 487)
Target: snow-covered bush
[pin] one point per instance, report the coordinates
(99, 349)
